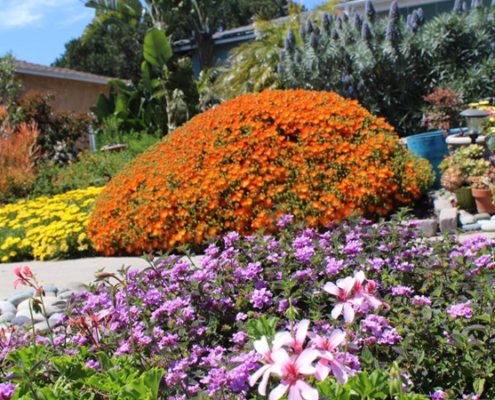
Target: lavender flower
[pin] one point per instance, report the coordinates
(421, 301)
(438, 395)
(280, 68)
(458, 6)
(288, 46)
(333, 34)
(261, 297)
(400, 290)
(7, 391)
(460, 310)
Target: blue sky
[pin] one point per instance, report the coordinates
(37, 30)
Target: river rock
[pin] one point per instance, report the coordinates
(25, 313)
(481, 216)
(20, 320)
(18, 298)
(466, 219)
(7, 317)
(6, 306)
(488, 226)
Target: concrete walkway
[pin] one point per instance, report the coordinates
(62, 273)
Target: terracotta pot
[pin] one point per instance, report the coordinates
(465, 198)
(484, 198)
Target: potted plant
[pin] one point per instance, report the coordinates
(443, 116)
(482, 189)
(459, 168)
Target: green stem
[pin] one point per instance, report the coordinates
(32, 322)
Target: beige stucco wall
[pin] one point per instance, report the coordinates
(70, 94)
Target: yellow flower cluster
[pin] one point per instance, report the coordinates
(47, 228)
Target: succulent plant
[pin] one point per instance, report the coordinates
(452, 179)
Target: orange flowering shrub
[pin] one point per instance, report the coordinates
(314, 154)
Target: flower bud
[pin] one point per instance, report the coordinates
(103, 275)
(414, 27)
(309, 26)
(313, 41)
(366, 33)
(291, 37)
(326, 20)
(288, 44)
(477, 4)
(302, 32)
(280, 68)
(415, 18)
(421, 15)
(394, 12)
(465, 7)
(358, 23)
(369, 11)
(297, 57)
(345, 17)
(392, 32)
(338, 21)
(333, 34)
(281, 54)
(458, 6)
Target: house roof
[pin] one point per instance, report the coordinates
(24, 67)
(232, 35)
(383, 5)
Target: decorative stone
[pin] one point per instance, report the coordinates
(6, 306)
(66, 295)
(18, 298)
(448, 220)
(7, 317)
(50, 289)
(50, 294)
(20, 320)
(76, 286)
(488, 226)
(55, 317)
(25, 313)
(440, 204)
(471, 227)
(42, 326)
(466, 219)
(428, 226)
(492, 218)
(51, 309)
(481, 216)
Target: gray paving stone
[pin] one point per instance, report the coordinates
(428, 226)
(448, 220)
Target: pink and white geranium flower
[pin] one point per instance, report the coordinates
(353, 296)
(328, 356)
(293, 370)
(346, 302)
(288, 360)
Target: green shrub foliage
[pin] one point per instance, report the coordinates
(390, 64)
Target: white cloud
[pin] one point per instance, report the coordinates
(19, 13)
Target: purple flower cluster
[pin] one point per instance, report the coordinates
(460, 310)
(7, 391)
(380, 331)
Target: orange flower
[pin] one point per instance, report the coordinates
(316, 154)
